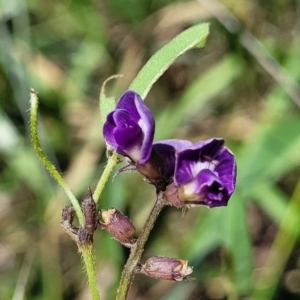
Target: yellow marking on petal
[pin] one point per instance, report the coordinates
(187, 193)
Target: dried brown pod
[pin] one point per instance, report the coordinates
(119, 226)
(166, 268)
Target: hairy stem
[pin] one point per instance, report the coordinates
(85, 249)
(88, 259)
(137, 250)
(44, 158)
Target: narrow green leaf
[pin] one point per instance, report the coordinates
(280, 252)
(162, 59)
(273, 201)
(236, 237)
(206, 240)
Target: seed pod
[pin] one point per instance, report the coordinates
(89, 212)
(166, 268)
(119, 226)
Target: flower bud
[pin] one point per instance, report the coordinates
(129, 128)
(166, 268)
(119, 226)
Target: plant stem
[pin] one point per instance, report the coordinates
(88, 258)
(44, 158)
(112, 161)
(137, 250)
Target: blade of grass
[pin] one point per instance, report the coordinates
(281, 250)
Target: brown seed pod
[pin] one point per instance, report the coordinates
(166, 268)
(119, 226)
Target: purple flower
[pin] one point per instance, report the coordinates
(129, 129)
(204, 173)
(189, 174)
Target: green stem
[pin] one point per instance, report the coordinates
(137, 250)
(44, 158)
(112, 161)
(88, 258)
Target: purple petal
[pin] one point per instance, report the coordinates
(127, 133)
(128, 101)
(129, 129)
(167, 150)
(167, 154)
(196, 158)
(205, 173)
(108, 130)
(206, 188)
(226, 169)
(209, 147)
(122, 132)
(178, 145)
(211, 189)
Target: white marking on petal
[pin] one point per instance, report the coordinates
(134, 153)
(189, 188)
(199, 166)
(143, 124)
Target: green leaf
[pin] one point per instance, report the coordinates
(107, 104)
(235, 236)
(163, 58)
(273, 201)
(207, 239)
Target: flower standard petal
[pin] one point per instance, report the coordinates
(197, 157)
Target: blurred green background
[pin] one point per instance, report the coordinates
(242, 86)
